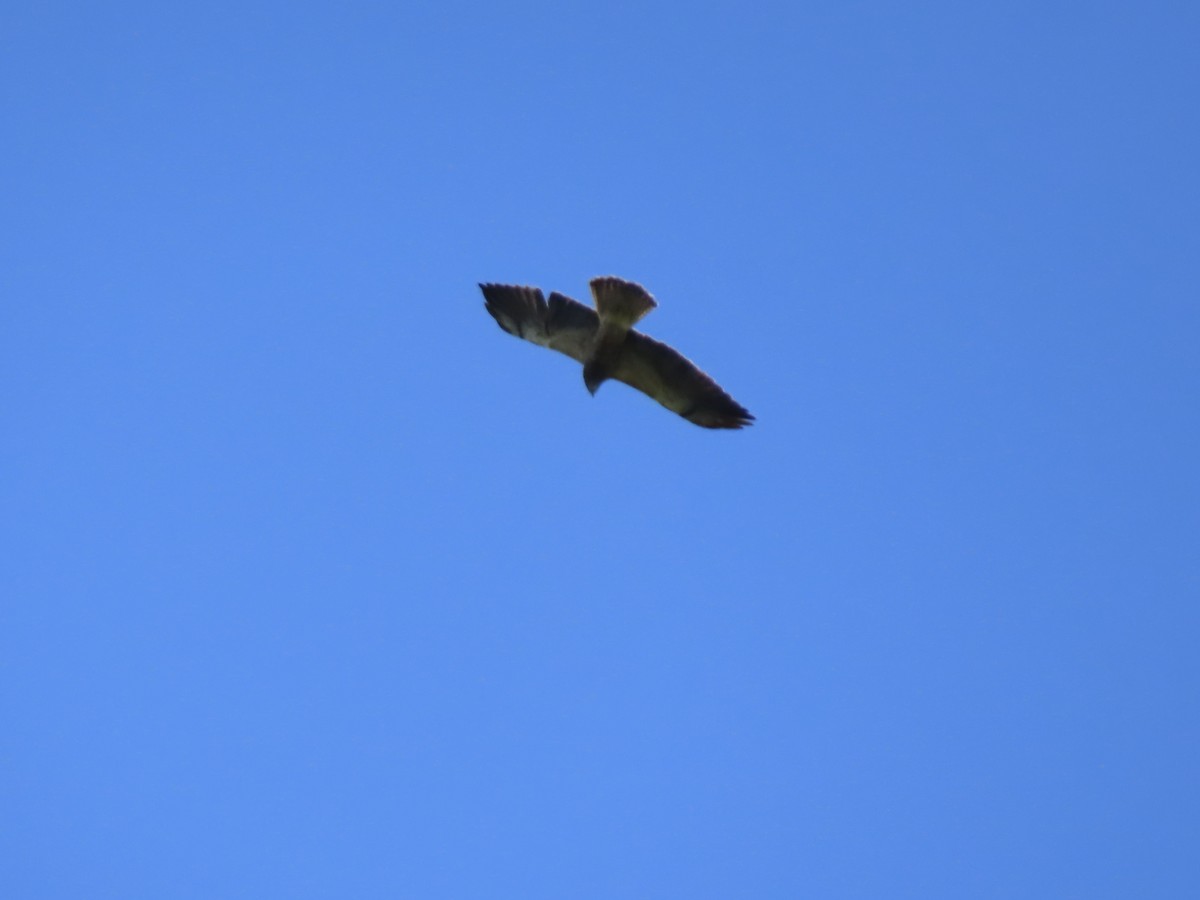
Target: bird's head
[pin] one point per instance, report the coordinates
(594, 374)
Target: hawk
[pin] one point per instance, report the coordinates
(605, 341)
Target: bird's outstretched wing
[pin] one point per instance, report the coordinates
(561, 323)
(677, 383)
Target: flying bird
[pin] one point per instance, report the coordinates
(605, 341)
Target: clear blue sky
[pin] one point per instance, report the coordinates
(317, 584)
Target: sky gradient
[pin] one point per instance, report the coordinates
(317, 584)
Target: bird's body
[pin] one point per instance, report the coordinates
(605, 341)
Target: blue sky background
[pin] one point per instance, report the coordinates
(319, 585)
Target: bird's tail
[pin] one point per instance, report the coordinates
(620, 303)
